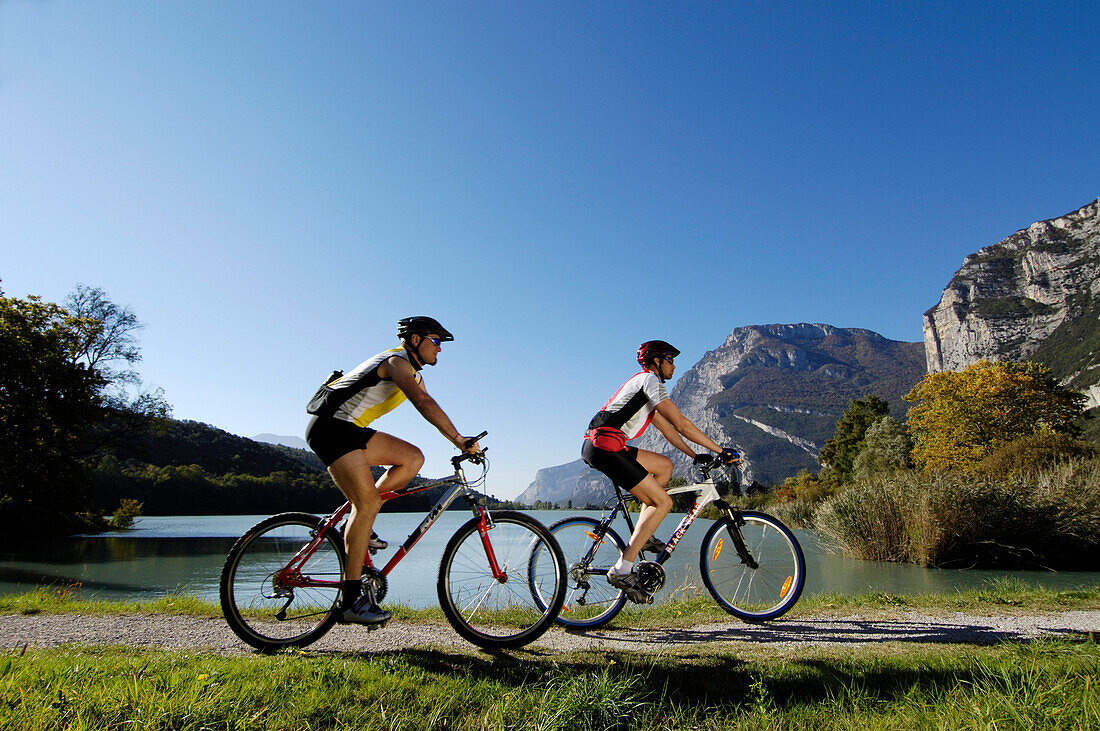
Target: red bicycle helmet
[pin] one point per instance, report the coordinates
(651, 349)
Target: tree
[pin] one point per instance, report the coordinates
(47, 400)
(106, 342)
(61, 401)
(886, 448)
(839, 453)
(959, 418)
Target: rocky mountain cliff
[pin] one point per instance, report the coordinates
(774, 391)
(777, 391)
(1034, 295)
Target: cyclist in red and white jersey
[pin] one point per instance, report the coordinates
(640, 401)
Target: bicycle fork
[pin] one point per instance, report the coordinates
(484, 525)
(733, 528)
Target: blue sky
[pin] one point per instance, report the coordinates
(270, 186)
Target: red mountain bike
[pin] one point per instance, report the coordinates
(498, 585)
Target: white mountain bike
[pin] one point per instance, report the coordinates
(749, 561)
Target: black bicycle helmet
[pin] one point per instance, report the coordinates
(651, 349)
(422, 325)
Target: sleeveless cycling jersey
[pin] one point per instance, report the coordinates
(631, 408)
(376, 396)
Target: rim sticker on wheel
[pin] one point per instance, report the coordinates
(786, 587)
(717, 550)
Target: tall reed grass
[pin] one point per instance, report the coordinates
(1049, 520)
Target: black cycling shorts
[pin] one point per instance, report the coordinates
(623, 467)
(332, 438)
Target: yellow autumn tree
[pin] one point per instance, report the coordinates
(960, 417)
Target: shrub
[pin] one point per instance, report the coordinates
(1032, 454)
(886, 448)
(124, 516)
(947, 519)
(797, 499)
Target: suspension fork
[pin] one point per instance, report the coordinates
(733, 528)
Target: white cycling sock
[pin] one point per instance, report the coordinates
(622, 566)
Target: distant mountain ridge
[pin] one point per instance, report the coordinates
(292, 442)
(773, 391)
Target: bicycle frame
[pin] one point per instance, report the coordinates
(291, 575)
(707, 494)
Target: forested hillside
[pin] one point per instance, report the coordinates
(196, 469)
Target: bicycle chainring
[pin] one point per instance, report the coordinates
(374, 578)
(651, 575)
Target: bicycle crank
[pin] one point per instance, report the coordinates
(651, 575)
(376, 580)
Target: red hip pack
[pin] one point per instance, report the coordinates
(607, 438)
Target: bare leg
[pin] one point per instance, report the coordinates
(352, 475)
(651, 493)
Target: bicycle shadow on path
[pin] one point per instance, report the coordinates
(696, 680)
(841, 631)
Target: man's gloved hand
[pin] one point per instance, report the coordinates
(729, 456)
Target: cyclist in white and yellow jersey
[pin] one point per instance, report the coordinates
(349, 447)
(644, 474)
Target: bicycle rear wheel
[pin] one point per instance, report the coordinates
(753, 594)
(515, 608)
(263, 605)
(589, 600)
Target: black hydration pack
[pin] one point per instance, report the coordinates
(328, 399)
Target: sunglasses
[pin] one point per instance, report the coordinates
(669, 359)
(434, 341)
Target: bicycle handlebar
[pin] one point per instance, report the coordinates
(473, 458)
(716, 461)
(474, 440)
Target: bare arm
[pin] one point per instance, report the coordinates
(401, 372)
(683, 425)
(671, 434)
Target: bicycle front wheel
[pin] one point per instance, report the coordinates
(754, 594)
(589, 600)
(518, 602)
(270, 607)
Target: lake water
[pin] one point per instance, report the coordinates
(184, 554)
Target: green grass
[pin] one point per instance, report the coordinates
(728, 686)
(66, 600)
(719, 685)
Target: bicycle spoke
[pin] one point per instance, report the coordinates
(267, 613)
(501, 612)
(773, 586)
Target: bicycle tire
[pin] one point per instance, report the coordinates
(763, 593)
(494, 613)
(590, 601)
(251, 597)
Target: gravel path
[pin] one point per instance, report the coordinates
(212, 635)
